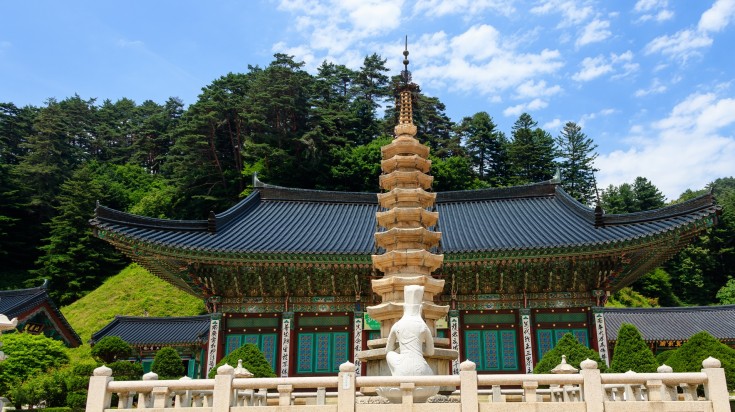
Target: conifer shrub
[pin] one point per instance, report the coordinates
(663, 357)
(110, 349)
(167, 364)
(689, 357)
(631, 352)
(127, 371)
(252, 359)
(575, 352)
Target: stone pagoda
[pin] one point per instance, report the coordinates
(407, 238)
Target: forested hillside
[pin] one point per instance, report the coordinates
(296, 129)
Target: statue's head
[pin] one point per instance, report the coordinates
(413, 296)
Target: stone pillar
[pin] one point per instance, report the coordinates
(454, 338)
(527, 341)
(357, 340)
(346, 388)
(592, 386)
(214, 328)
(286, 325)
(601, 334)
(716, 388)
(98, 398)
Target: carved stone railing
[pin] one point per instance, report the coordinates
(586, 391)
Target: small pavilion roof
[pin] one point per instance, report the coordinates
(154, 331)
(14, 303)
(679, 323)
(296, 221)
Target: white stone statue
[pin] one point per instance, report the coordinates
(414, 341)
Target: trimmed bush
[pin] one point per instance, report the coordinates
(663, 357)
(575, 352)
(126, 371)
(252, 360)
(689, 357)
(631, 352)
(110, 349)
(167, 364)
(29, 355)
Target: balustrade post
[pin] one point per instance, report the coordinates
(222, 394)
(668, 392)
(407, 396)
(160, 397)
(284, 395)
(529, 391)
(98, 398)
(592, 391)
(468, 386)
(321, 394)
(346, 388)
(715, 389)
(145, 400)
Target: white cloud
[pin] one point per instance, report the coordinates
(125, 43)
(595, 31)
(533, 89)
(653, 10)
(552, 125)
(697, 137)
(682, 45)
(656, 87)
(647, 5)
(468, 8)
(571, 13)
(592, 68)
(534, 104)
(477, 43)
(591, 116)
(718, 16)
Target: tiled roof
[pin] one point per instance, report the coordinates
(13, 303)
(673, 323)
(140, 331)
(282, 220)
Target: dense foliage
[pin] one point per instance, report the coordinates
(167, 364)
(574, 351)
(252, 359)
(689, 357)
(28, 355)
(631, 352)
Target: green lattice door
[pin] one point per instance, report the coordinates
(492, 350)
(321, 352)
(266, 342)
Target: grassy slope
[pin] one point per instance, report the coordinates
(132, 292)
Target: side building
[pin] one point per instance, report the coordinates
(290, 270)
(38, 314)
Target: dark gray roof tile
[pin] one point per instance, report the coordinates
(673, 323)
(141, 331)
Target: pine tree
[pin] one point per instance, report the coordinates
(577, 155)
(689, 357)
(73, 258)
(647, 196)
(632, 352)
(486, 147)
(531, 152)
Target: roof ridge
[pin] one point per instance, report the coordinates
(673, 309)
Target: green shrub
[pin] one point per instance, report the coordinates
(252, 359)
(167, 364)
(575, 352)
(663, 357)
(58, 409)
(632, 352)
(689, 357)
(29, 355)
(126, 371)
(110, 349)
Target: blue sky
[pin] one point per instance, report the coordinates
(650, 81)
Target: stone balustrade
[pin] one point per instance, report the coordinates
(586, 391)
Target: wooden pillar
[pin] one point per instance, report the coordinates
(215, 324)
(601, 334)
(286, 325)
(357, 340)
(454, 338)
(527, 340)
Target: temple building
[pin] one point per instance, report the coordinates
(38, 314)
(508, 271)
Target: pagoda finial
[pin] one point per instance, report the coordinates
(405, 74)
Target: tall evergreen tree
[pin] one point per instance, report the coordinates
(435, 128)
(531, 152)
(74, 259)
(647, 195)
(577, 153)
(373, 88)
(486, 147)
